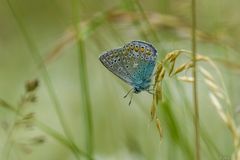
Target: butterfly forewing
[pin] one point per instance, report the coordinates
(112, 60)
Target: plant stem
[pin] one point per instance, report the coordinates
(37, 58)
(49, 131)
(83, 77)
(145, 18)
(195, 96)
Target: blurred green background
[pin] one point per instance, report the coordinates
(76, 92)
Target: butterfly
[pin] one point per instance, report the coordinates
(133, 63)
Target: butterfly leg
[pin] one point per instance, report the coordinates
(130, 100)
(128, 92)
(150, 91)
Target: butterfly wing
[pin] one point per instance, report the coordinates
(112, 60)
(140, 61)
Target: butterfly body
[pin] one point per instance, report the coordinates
(133, 63)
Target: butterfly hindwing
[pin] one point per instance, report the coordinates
(141, 60)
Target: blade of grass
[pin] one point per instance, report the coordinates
(195, 96)
(38, 60)
(83, 77)
(48, 130)
(145, 18)
(136, 22)
(205, 136)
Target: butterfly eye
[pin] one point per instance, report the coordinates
(136, 48)
(142, 49)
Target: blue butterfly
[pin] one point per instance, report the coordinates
(133, 63)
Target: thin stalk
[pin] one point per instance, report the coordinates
(195, 96)
(83, 77)
(8, 144)
(137, 22)
(37, 58)
(145, 18)
(47, 130)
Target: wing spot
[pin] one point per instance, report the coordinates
(131, 46)
(148, 52)
(136, 48)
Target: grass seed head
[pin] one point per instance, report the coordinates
(31, 85)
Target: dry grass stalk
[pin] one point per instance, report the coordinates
(160, 131)
(217, 93)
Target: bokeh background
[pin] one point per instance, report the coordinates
(78, 110)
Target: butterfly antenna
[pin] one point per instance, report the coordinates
(128, 92)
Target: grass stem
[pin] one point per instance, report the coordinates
(195, 96)
(83, 77)
(38, 60)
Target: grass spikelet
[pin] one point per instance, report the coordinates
(158, 71)
(186, 79)
(153, 108)
(24, 122)
(171, 68)
(213, 86)
(218, 107)
(161, 75)
(216, 92)
(172, 56)
(158, 93)
(183, 67)
(206, 74)
(159, 128)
